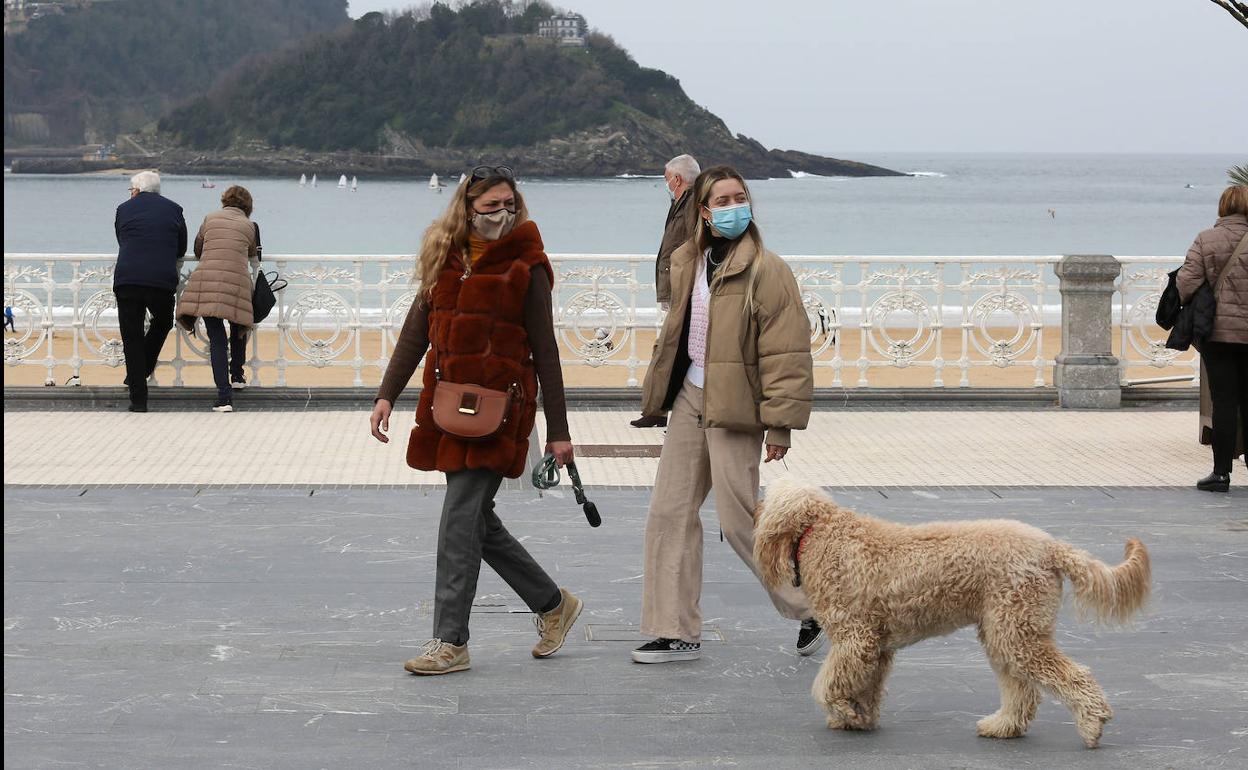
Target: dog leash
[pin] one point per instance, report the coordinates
(546, 476)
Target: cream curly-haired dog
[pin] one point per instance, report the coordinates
(877, 586)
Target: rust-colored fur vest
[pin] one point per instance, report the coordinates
(476, 326)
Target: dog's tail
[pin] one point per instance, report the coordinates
(1111, 594)
(779, 520)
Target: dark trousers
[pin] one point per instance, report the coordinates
(470, 531)
(227, 353)
(142, 348)
(1226, 363)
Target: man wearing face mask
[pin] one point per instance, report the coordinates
(682, 218)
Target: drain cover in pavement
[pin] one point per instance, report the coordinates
(618, 450)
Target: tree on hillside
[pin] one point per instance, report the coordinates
(104, 68)
(473, 77)
(1234, 8)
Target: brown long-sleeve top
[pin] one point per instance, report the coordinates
(539, 323)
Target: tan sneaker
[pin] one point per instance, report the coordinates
(439, 657)
(555, 625)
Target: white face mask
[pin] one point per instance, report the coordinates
(495, 224)
(670, 192)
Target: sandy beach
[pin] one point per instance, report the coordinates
(340, 372)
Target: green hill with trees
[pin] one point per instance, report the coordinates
(91, 72)
(438, 89)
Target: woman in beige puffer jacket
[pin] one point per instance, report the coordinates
(1219, 257)
(732, 365)
(220, 289)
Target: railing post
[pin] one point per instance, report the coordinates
(1086, 374)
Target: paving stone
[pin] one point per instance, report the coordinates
(193, 627)
(888, 448)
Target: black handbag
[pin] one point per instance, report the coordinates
(264, 296)
(1192, 323)
(1188, 324)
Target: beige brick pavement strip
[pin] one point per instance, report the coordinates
(841, 448)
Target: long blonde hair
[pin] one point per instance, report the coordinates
(702, 234)
(450, 231)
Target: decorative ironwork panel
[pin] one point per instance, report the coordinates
(868, 314)
(1141, 342)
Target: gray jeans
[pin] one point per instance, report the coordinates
(470, 531)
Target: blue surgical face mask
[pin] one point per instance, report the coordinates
(731, 221)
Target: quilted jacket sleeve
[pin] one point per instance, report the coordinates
(1192, 273)
(785, 366)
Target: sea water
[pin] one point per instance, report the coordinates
(957, 205)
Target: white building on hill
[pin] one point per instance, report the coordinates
(568, 29)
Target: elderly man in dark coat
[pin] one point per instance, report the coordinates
(151, 239)
(682, 217)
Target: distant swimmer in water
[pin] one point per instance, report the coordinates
(1052, 213)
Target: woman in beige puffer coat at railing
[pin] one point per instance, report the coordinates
(220, 289)
(1221, 252)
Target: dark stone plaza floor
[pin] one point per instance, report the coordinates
(267, 627)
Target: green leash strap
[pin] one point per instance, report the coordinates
(546, 476)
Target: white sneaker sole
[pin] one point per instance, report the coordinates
(814, 646)
(223, 409)
(451, 670)
(665, 657)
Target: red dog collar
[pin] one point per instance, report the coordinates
(798, 547)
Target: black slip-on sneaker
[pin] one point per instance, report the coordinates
(810, 637)
(666, 651)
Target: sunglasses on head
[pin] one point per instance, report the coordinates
(485, 172)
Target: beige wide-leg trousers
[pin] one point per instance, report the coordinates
(695, 460)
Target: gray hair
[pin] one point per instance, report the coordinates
(684, 166)
(146, 181)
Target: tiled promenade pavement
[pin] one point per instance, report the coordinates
(210, 625)
(842, 447)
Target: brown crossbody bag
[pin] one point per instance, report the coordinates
(470, 412)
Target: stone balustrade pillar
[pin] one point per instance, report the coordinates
(1087, 374)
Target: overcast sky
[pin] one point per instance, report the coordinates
(835, 76)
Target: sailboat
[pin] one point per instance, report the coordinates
(342, 181)
(355, 183)
(207, 184)
(303, 180)
(314, 180)
(434, 184)
(462, 177)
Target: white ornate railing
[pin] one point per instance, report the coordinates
(1141, 342)
(950, 315)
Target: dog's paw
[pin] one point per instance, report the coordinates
(1092, 729)
(999, 726)
(849, 715)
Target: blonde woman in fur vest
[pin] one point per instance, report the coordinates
(484, 306)
(733, 366)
